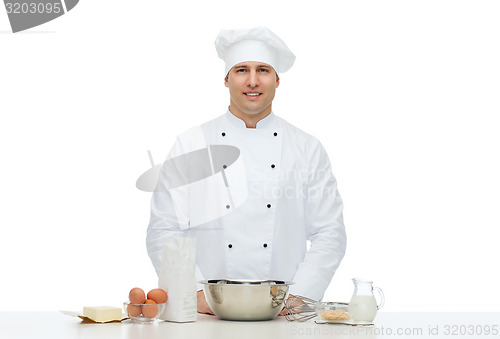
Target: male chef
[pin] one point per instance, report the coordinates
(281, 195)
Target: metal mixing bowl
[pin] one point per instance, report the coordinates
(245, 299)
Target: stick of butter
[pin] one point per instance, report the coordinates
(102, 313)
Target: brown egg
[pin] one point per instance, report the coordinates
(137, 296)
(150, 309)
(158, 295)
(134, 310)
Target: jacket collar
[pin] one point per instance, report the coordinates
(267, 122)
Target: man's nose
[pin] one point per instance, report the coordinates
(252, 80)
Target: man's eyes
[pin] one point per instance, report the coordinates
(258, 70)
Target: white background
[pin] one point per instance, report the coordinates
(404, 95)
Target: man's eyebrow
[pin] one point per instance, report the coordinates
(258, 66)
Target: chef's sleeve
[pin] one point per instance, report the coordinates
(324, 227)
(164, 219)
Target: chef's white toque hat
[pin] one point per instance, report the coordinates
(255, 44)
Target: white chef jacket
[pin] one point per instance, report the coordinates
(292, 198)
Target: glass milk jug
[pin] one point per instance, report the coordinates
(363, 306)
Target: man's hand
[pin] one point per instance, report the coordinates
(202, 303)
(292, 301)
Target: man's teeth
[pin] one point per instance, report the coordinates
(252, 94)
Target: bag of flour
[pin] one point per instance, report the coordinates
(177, 277)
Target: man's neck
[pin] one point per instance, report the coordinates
(250, 120)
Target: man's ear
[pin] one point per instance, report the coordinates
(225, 81)
(277, 80)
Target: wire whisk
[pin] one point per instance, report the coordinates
(299, 308)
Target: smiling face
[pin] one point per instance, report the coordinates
(252, 86)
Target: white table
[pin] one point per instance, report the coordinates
(55, 325)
